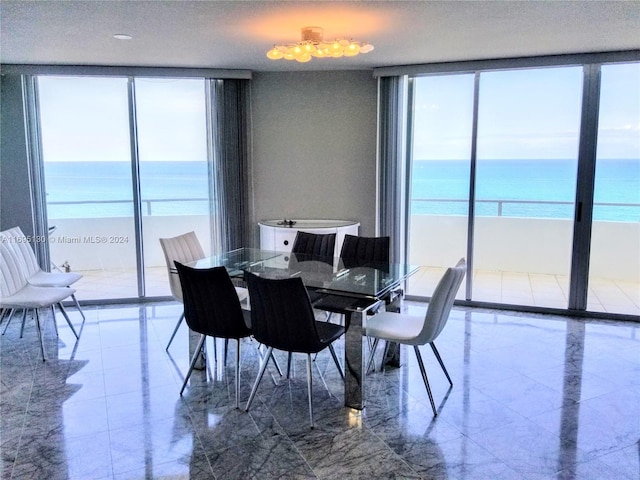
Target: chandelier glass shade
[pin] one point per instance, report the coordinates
(313, 45)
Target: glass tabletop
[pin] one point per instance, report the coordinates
(320, 273)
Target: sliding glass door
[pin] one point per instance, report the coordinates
(84, 124)
(174, 171)
(614, 272)
(498, 158)
(440, 172)
(125, 164)
(527, 157)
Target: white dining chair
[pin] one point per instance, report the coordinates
(184, 248)
(414, 330)
(35, 275)
(17, 293)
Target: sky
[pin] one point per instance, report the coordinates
(523, 114)
(80, 125)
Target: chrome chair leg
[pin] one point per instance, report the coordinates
(289, 365)
(276, 364)
(194, 359)
(426, 380)
(6, 312)
(39, 328)
(263, 367)
(24, 319)
(385, 354)
(238, 373)
(335, 359)
(53, 315)
(66, 317)
(310, 388)
(273, 359)
(372, 353)
(175, 330)
(437, 354)
(75, 300)
(11, 312)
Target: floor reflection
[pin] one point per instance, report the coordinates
(534, 397)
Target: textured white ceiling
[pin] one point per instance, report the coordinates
(237, 34)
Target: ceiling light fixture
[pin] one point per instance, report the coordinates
(122, 36)
(313, 45)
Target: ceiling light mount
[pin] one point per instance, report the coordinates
(312, 44)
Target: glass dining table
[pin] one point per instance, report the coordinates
(349, 288)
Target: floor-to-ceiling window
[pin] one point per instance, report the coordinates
(86, 153)
(614, 283)
(495, 168)
(125, 163)
(174, 171)
(527, 157)
(441, 151)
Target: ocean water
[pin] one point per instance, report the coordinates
(524, 188)
(104, 189)
(516, 188)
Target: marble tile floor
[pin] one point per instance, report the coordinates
(534, 397)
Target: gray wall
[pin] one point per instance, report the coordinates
(314, 146)
(15, 186)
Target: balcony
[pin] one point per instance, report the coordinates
(103, 251)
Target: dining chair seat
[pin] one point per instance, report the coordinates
(36, 297)
(389, 326)
(54, 279)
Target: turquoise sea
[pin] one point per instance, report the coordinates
(516, 188)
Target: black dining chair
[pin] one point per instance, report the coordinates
(282, 318)
(368, 252)
(212, 308)
(357, 252)
(364, 251)
(315, 245)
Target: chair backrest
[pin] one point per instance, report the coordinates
(315, 244)
(441, 302)
(211, 305)
(12, 275)
(281, 314)
(184, 249)
(23, 250)
(364, 251)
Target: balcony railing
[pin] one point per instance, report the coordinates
(557, 209)
(147, 205)
(499, 211)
